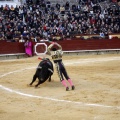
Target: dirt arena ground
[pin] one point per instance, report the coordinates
(96, 97)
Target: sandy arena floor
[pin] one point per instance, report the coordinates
(96, 97)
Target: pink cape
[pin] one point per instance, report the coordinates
(28, 48)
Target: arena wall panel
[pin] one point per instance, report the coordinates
(68, 45)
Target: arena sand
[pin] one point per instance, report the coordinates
(96, 97)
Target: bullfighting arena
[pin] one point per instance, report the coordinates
(96, 96)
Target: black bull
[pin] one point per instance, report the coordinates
(43, 72)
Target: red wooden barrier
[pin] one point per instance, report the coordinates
(68, 45)
(11, 47)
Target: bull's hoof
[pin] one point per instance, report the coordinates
(49, 80)
(36, 86)
(29, 85)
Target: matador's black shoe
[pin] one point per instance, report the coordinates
(73, 87)
(67, 88)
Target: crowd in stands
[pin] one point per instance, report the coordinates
(41, 20)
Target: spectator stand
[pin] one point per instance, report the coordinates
(81, 21)
(10, 2)
(86, 37)
(50, 19)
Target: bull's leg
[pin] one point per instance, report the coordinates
(49, 79)
(40, 82)
(34, 78)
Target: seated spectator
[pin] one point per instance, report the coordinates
(40, 21)
(102, 35)
(2, 36)
(1, 8)
(74, 8)
(6, 7)
(45, 34)
(24, 34)
(58, 6)
(62, 9)
(48, 4)
(12, 8)
(9, 36)
(106, 35)
(21, 39)
(68, 34)
(67, 6)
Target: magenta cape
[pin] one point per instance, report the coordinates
(28, 48)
